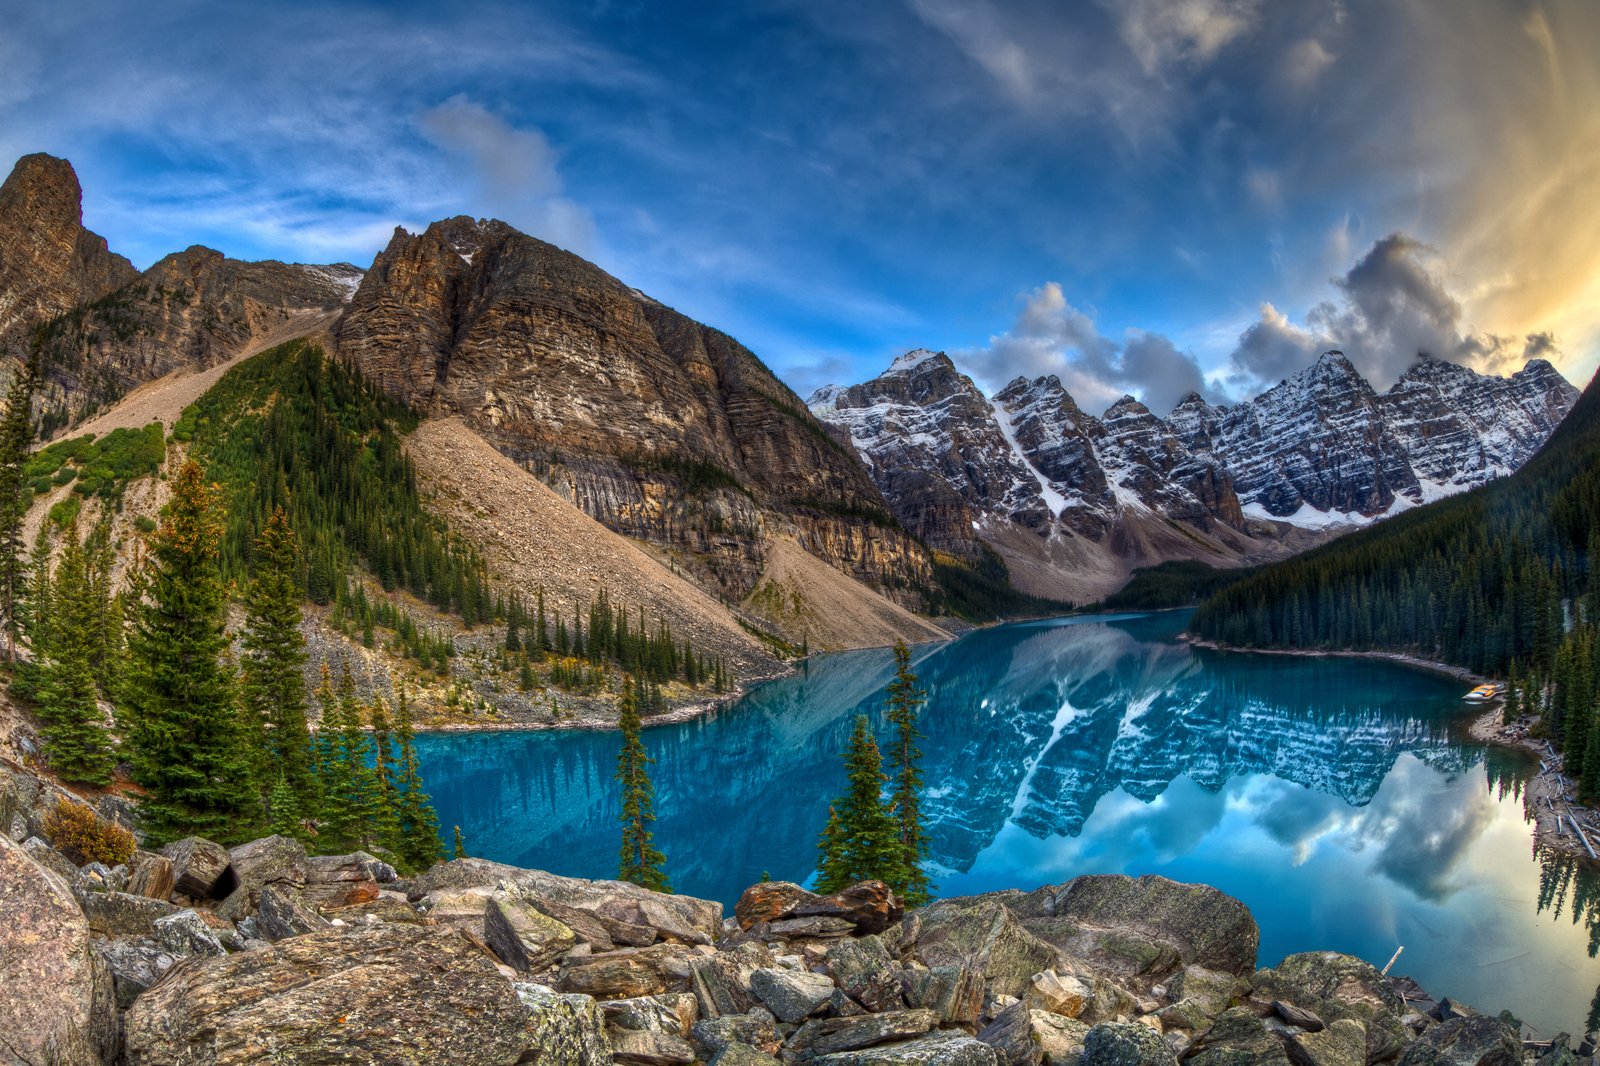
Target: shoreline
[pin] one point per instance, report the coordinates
(1545, 799)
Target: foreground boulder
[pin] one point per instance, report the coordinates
(1472, 1041)
(55, 991)
(869, 906)
(394, 994)
(202, 870)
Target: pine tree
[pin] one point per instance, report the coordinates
(459, 849)
(419, 825)
(272, 684)
(16, 439)
(179, 718)
(641, 862)
(906, 698)
(74, 729)
(861, 841)
(284, 810)
(385, 826)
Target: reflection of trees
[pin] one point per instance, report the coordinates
(1567, 883)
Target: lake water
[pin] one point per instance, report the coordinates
(1339, 798)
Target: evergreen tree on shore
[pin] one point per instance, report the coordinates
(641, 861)
(861, 841)
(272, 685)
(419, 825)
(178, 716)
(906, 698)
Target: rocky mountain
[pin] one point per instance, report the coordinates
(104, 327)
(49, 263)
(1317, 453)
(660, 427)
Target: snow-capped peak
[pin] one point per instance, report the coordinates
(912, 359)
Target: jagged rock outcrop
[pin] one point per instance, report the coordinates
(659, 427)
(105, 327)
(49, 263)
(1225, 485)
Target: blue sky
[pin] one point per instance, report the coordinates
(1144, 196)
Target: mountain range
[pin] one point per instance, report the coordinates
(1072, 501)
(587, 438)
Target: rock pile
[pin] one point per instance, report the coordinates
(202, 955)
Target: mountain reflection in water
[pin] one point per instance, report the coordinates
(1339, 798)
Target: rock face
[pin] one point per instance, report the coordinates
(398, 994)
(1221, 484)
(55, 990)
(104, 326)
(49, 263)
(657, 426)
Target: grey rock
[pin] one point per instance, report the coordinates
(1238, 1038)
(742, 1055)
(935, 1049)
(51, 859)
(791, 996)
(273, 860)
(135, 965)
(1466, 1041)
(340, 880)
(673, 1012)
(1344, 1043)
(123, 913)
(722, 982)
(1335, 986)
(185, 933)
(824, 1036)
(55, 990)
(866, 972)
(646, 1047)
(1298, 1016)
(981, 932)
(755, 1028)
(1025, 1037)
(280, 914)
(1206, 927)
(1125, 1044)
(816, 927)
(103, 878)
(955, 992)
(150, 874)
(627, 972)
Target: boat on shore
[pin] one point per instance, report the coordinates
(1483, 693)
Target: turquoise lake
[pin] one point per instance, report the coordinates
(1339, 798)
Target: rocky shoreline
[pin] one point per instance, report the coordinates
(198, 954)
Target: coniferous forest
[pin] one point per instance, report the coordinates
(1500, 580)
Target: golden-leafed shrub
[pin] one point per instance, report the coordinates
(83, 836)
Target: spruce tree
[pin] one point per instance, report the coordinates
(283, 809)
(640, 862)
(179, 718)
(419, 825)
(861, 841)
(458, 849)
(74, 729)
(906, 698)
(272, 684)
(16, 440)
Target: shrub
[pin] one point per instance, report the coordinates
(84, 837)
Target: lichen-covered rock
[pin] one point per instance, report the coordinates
(202, 869)
(1344, 1043)
(280, 914)
(342, 880)
(395, 994)
(1203, 926)
(523, 936)
(55, 991)
(1125, 1044)
(742, 1055)
(935, 1049)
(279, 861)
(755, 1028)
(865, 971)
(1238, 1038)
(982, 933)
(954, 992)
(1335, 986)
(51, 859)
(792, 995)
(824, 1036)
(1474, 1041)
(1025, 1037)
(722, 982)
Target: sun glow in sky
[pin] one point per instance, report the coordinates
(1144, 196)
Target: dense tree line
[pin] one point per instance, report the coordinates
(292, 428)
(1501, 580)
